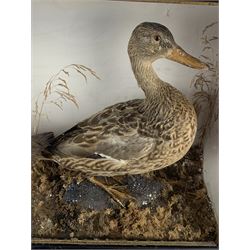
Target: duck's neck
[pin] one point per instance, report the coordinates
(148, 80)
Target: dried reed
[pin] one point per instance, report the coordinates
(57, 91)
(205, 98)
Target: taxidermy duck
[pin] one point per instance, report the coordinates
(141, 135)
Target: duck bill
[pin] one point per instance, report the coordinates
(181, 56)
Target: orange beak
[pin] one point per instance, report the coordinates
(181, 56)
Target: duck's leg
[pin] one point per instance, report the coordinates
(120, 197)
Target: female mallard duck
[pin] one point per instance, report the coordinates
(140, 135)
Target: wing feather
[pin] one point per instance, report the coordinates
(112, 132)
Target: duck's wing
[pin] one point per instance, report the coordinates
(111, 133)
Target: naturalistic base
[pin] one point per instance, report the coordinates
(168, 205)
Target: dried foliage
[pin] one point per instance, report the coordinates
(205, 98)
(57, 91)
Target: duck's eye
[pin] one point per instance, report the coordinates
(157, 38)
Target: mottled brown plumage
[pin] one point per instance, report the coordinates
(137, 136)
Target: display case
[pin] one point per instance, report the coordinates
(80, 65)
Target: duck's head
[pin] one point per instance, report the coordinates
(151, 41)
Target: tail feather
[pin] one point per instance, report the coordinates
(40, 143)
(44, 139)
